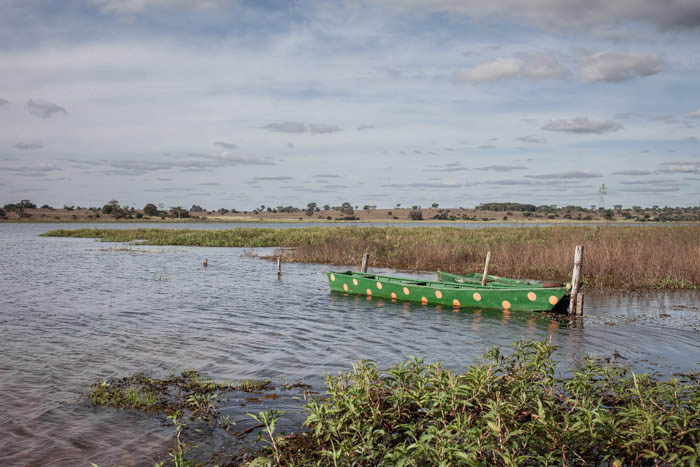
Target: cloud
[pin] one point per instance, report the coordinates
(570, 174)
(327, 176)
(299, 127)
(650, 189)
(365, 127)
(536, 66)
(487, 146)
(4, 102)
(616, 67)
(695, 114)
(503, 168)
(38, 170)
(582, 125)
(632, 173)
(279, 178)
(225, 145)
(125, 7)
(532, 139)
(209, 183)
(43, 109)
(28, 146)
(685, 167)
(424, 185)
(558, 15)
(656, 182)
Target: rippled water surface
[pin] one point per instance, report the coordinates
(73, 311)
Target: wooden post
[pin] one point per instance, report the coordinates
(576, 281)
(365, 262)
(279, 265)
(205, 263)
(486, 268)
(579, 304)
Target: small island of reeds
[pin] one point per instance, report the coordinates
(622, 258)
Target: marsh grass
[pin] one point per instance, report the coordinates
(615, 257)
(510, 410)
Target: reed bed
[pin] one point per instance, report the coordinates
(623, 258)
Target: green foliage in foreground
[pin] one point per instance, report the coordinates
(510, 410)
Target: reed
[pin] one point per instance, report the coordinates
(623, 258)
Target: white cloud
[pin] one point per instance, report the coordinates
(532, 139)
(582, 125)
(536, 66)
(141, 6)
(299, 127)
(616, 66)
(28, 146)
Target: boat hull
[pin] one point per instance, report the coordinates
(453, 295)
(495, 281)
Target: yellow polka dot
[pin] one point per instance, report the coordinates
(393, 295)
(568, 285)
(532, 296)
(332, 277)
(438, 294)
(477, 296)
(345, 287)
(505, 304)
(379, 285)
(455, 303)
(406, 291)
(354, 282)
(424, 300)
(369, 292)
(553, 300)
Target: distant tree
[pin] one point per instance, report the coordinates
(150, 209)
(310, 209)
(179, 212)
(46, 206)
(326, 207)
(609, 214)
(26, 204)
(3, 215)
(435, 205)
(196, 208)
(415, 215)
(346, 208)
(107, 209)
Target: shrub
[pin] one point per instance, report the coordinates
(509, 410)
(415, 215)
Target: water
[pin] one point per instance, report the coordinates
(75, 310)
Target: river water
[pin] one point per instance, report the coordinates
(73, 311)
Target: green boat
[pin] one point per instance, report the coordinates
(516, 297)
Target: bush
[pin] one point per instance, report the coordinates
(415, 215)
(509, 410)
(150, 209)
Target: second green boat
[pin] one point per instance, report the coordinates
(516, 297)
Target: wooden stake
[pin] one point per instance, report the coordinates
(576, 279)
(365, 262)
(486, 267)
(205, 263)
(579, 304)
(279, 265)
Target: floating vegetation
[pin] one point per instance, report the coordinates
(510, 410)
(616, 257)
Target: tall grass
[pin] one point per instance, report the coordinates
(615, 257)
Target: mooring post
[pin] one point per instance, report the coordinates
(365, 262)
(579, 304)
(205, 263)
(486, 267)
(576, 281)
(279, 265)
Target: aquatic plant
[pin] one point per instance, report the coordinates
(615, 257)
(509, 410)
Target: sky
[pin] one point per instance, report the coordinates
(242, 103)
